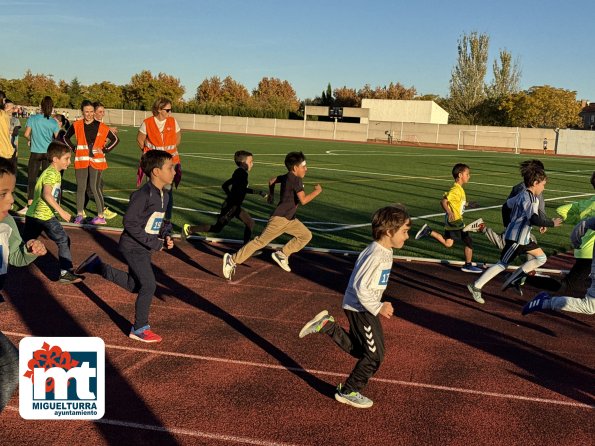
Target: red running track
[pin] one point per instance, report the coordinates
(232, 370)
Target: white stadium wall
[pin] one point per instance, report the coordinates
(388, 110)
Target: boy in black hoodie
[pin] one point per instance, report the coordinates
(144, 233)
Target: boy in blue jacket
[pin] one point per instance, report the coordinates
(144, 233)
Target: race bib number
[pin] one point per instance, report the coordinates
(154, 223)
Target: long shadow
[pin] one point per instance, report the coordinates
(192, 298)
(547, 369)
(45, 316)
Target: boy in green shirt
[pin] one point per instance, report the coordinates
(14, 252)
(40, 215)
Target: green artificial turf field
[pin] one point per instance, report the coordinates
(356, 179)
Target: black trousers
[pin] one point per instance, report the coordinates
(225, 216)
(37, 161)
(364, 341)
(140, 279)
(574, 284)
(9, 370)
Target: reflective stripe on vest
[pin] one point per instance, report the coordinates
(82, 157)
(162, 141)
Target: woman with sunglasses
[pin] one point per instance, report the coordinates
(161, 132)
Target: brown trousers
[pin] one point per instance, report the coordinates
(276, 227)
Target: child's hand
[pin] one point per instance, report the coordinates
(542, 230)
(386, 310)
(318, 188)
(271, 198)
(66, 216)
(557, 221)
(36, 247)
(168, 242)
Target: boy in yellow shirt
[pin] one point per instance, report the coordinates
(454, 202)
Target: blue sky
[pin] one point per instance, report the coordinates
(308, 43)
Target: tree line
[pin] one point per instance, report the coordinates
(471, 99)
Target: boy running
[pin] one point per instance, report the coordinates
(454, 203)
(524, 215)
(235, 189)
(40, 215)
(144, 233)
(362, 305)
(283, 219)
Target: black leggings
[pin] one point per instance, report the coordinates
(225, 216)
(36, 161)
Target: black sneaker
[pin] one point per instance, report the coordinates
(91, 264)
(68, 277)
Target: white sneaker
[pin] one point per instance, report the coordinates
(281, 260)
(475, 226)
(23, 211)
(229, 266)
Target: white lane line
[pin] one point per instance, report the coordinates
(343, 375)
(184, 431)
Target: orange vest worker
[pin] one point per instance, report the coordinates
(162, 141)
(82, 160)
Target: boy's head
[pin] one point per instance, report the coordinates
(154, 162)
(8, 181)
(59, 155)
(461, 173)
(530, 164)
(296, 163)
(534, 179)
(243, 159)
(391, 224)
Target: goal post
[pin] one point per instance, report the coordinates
(489, 140)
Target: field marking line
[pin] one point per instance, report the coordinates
(342, 375)
(182, 431)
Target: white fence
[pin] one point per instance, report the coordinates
(567, 142)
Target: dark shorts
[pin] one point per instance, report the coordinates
(458, 234)
(512, 250)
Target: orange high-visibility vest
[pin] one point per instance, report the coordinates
(82, 160)
(162, 141)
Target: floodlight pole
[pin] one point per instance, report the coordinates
(335, 130)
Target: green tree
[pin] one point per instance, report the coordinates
(275, 94)
(467, 89)
(144, 89)
(109, 94)
(75, 94)
(36, 86)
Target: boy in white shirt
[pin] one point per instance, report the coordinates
(362, 304)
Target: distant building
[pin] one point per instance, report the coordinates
(588, 115)
(392, 110)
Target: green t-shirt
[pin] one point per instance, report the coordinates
(39, 208)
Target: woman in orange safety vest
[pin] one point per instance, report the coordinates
(162, 132)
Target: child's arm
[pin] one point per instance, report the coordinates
(272, 183)
(225, 186)
(305, 199)
(446, 206)
(66, 138)
(48, 197)
(20, 253)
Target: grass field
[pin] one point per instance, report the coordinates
(356, 180)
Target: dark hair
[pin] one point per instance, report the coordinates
(532, 174)
(57, 149)
(153, 159)
(530, 164)
(240, 157)
(47, 106)
(63, 121)
(86, 103)
(458, 169)
(593, 180)
(2, 98)
(293, 159)
(387, 218)
(97, 104)
(7, 167)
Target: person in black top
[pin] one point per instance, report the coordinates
(283, 219)
(235, 189)
(144, 233)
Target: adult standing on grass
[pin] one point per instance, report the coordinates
(40, 130)
(89, 160)
(6, 149)
(161, 132)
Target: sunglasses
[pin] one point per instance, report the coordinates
(167, 110)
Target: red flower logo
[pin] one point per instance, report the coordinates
(49, 357)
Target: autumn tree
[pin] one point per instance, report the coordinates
(467, 89)
(543, 107)
(276, 94)
(209, 90)
(36, 86)
(346, 97)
